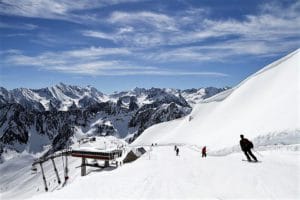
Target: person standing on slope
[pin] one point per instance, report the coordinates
(177, 151)
(246, 147)
(204, 151)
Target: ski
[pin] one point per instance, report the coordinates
(252, 161)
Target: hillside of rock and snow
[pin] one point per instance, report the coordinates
(264, 108)
(48, 119)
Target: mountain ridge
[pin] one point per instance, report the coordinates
(58, 115)
(61, 96)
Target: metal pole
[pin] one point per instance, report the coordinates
(66, 168)
(56, 172)
(150, 152)
(83, 167)
(44, 178)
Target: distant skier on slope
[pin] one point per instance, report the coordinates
(177, 151)
(204, 151)
(246, 147)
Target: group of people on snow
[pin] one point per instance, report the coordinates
(176, 149)
(245, 144)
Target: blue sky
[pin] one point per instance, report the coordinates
(117, 45)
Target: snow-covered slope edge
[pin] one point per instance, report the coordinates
(266, 102)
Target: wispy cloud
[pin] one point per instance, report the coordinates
(18, 26)
(263, 31)
(98, 34)
(220, 52)
(48, 59)
(159, 21)
(55, 9)
(93, 61)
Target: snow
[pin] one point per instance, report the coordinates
(101, 144)
(164, 175)
(194, 98)
(18, 182)
(264, 103)
(264, 107)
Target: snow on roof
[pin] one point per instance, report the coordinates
(98, 144)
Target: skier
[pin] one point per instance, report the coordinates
(204, 151)
(175, 147)
(177, 151)
(246, 147)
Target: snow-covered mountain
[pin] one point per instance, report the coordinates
(59, 97)
(264, 106)
(51, 118)
(62, 97)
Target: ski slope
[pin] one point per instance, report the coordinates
(265, 103)
(162, 175)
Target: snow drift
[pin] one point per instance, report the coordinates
(266, 102)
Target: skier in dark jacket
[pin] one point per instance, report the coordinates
(246, 147)
(204, 151)
(177, 151)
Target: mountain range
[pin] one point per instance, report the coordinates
(49, 119)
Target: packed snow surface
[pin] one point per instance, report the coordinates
(162, 174)
(266, 102)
